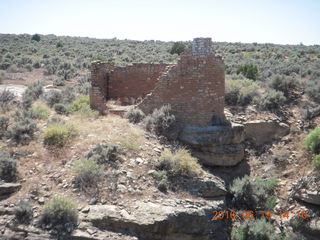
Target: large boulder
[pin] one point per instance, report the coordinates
(215, 145)
(9, 188)
(261, 132)
(166, 220)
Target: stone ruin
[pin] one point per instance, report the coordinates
(194, 87)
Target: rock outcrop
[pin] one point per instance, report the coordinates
(215, 145)
(169, 220)
(261, 132)
(9, 188)
(307, 189)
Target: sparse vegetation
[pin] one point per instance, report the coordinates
(40, 110)
(248, 70)
(22, 131)
(88, 172)
(8, 168)
(312, 144)
(256, 193)
(241, 91)
(58, 134)
(160, 120)
(178, 48)
(135, 115)
(102, 154)
(23, 212)
(60, 213)
(254, 230)
(178, 163)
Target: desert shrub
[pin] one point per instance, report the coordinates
(4, 123)
(1, 79)
(6, 98)
(86, 112)
(178, 48)
(160, 120)
(52, 97)
(312, 89)
(58, 135)
(254, 193)
(68, 95)
(29, 67)
(36, 64)
(102, 154)
(135, 115)
(60, 213)
(31, 94)
(83, 84)
(312, 141)
(162, 180)
(36, 37)
(241, 91)
(316, 161)
(22, 131)
(59, 82)
(40, 111)
(13, 68)
(82, 102)
(50, 69)
(55, 120)
(60, 108)
(23, 212)
(8, 168)
(88, 172)
(59, 44)
(284, 84)
(249, 71)
(178, 163)
(271, 100)
(254, 230)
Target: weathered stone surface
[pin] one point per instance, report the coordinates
(261, 132)
(307, 189)
(226, 156)
(215, 145)
(8, 188)
(208, 186)
(212, 135)
(161, 221)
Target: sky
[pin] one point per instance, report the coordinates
(247, 21)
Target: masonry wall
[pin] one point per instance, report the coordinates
(194, 87)
(135, 80)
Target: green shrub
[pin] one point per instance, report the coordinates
(88, 172)
(312, 141)
(58, 135)
(23, 212)
(36, 37)
(102, 154)
(241, 91)
(162, 180)
(6, 98)
(8, 168)
(257, 229)
(271, 100)
(135, 115)
(249, 71)
(252, 194)
(178, 48)
(179, 163)
(40, 111)
(60, 108)
(284, 84)
(53, 97)
(59, 44)
(160, 121)
(82, 102)
(4, 123)
(312, 89)
(316, 161)
(22, 131)
(60, 213)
